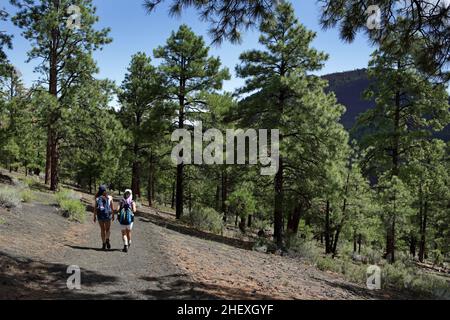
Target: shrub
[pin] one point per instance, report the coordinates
(437, 258)
(26, 195)
(304, 249)
(204, 219)
(73, 209)
(401, 276)
(9, 198)
(67, 194)
(329, 264)
(69, 202)
(25, 182)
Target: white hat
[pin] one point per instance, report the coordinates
(131, 193)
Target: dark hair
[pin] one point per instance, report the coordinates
(101, 190)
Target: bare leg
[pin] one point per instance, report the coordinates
(124, 237)
(107, 229)
(128, 235)
(102, 231)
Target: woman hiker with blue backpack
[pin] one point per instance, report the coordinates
(104, 213)
(125, 217)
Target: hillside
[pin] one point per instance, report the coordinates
(349, 87)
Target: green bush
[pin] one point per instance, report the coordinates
(9, 198)
(69, 202)
(26, 195)
(329, 264)
(304, 249)
(437, 257)
(401, 276)
(204, 219)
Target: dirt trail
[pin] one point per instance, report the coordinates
(37, 245)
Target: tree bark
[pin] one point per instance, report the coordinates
(412, 246)
(136, 172)
(180, 167)
(327, 229)
(52, 141)
(173, 195)
(294, 219)
(278, 208)
(48, 155)
(224, 194)
(423, 231)
(150, 183)
(54, 178)
(359, 243)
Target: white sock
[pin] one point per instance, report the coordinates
(125, 240)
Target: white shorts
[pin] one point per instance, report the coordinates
(126, 227)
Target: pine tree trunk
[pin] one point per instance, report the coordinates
(135, 173)
(359, 243)
(51, 169)
(173, 195)
(344, 215)
(54, 177)
(224, 194)
(180, 167)
(150, 182)
(179, 196)
(217, 198)
(390, 242)
(423, 231)
(294, 219)
(412, 246)
(48, 155)
(278, 210)
(327, 229)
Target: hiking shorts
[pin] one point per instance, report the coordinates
(101, 218)
(126, 227)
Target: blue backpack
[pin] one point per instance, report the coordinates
(103, 209)
(126, 216)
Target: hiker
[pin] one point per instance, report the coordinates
(125, 217)
(104, 212)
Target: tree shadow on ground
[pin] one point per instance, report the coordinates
(180, 286)
(24, 278)
(179, 227)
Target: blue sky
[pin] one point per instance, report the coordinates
(133, 30)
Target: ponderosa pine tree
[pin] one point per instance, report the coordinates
(428, 178)
(141, 89)
(65, 51)
(290, 99)
(408, 107)
(188, 70)
(91, 136)
(351, 198)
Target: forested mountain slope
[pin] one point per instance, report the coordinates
(349, 87)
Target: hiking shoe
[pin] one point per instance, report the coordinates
(108, 245)
(125, 249)
(104, 247)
